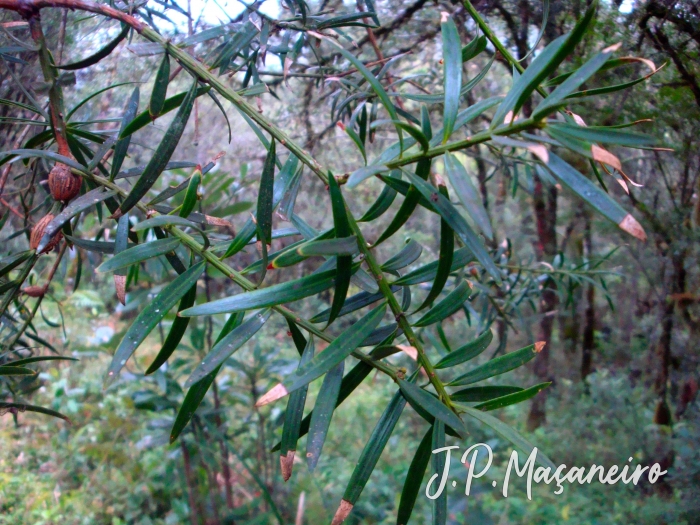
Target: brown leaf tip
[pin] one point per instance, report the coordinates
(539, 345)
(631, 226)
(120, 287)
(343, 511)
(286, 464)
(277, 392)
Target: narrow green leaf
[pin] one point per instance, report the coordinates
(499, 365)
(438, 461)
(100, 54)
(341, 347)
(177, 331)
(380, 334)
(374, 448)
(512, 399)
(473, 48)
(350, 382)
(143, 119)
(406, 256)
(196, 393)
(293, 416)
(163, 152)
(270, 296)
(93, 246)
(440, 97)
(92, 95)
(457, 223)
(22, 407)
(283, 258)
(298, 338)
(167, 220)
(606, 135)
(468, 194)
(352, 304)
(355, 138)
(16, 104)
(466, 352)
(444, 262)
(452, 67)
(416, 133)
(160, 87)
(558, 96)
(542, 66)
(448, 306)
(427, 273)
(594, 196)
(373, 82)
(228, 345)
(426, 402)
(265, 195)
(16, 371)
(240, 241)
(344, 262)
(344, 20)
(364, 173)
(13, 261)
(283, 181)
(122, 145)
(414, 478)
(543, 27)
(321, 416)
(509, 434)
(409, 204)
(138, 170)
(139, 253)
(328, 247)
(286, 208)
(76, 206)
(478, 394)
(39, 359)
(149, 318)
(190, 200)
(121, 243)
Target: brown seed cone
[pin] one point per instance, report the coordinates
(38, 233)
(63, 184)
(34, 291)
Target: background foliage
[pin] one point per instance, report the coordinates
(620, 316)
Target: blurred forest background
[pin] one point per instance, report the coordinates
(623, 341)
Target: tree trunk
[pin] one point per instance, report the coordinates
(189, 477)
(545, 202)
(589, 315)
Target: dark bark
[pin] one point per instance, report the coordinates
(545, 204)
(588, 344)
(189, 478)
